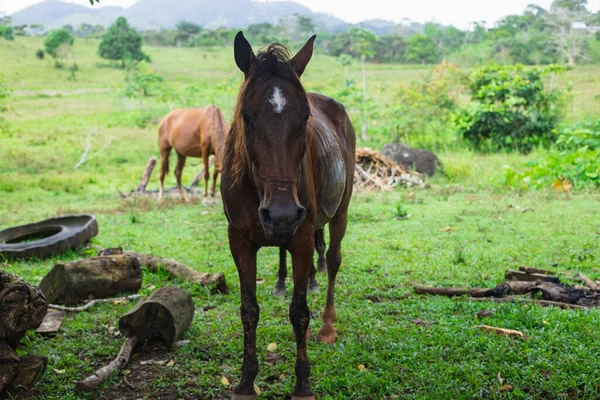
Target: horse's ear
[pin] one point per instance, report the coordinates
(244, 56)
(302, 58)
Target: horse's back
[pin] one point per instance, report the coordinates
(333, 148)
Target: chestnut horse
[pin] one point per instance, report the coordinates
(287, 171)
(192, 132)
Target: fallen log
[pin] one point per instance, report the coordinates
(589, 283)
(98, 277)
(527, 277)
(178, 270)
(9, 365)
(147, 174)
(91, 303)
(163, 316)
(22, 308)
(529, 270)
(543, 303)
(504, 289)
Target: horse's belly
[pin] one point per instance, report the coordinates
(331, 185)
(187, 145)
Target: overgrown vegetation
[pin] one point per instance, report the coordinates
(59, 44)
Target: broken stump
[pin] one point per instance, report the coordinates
(163, 316)
(22, 308)
(98, 277)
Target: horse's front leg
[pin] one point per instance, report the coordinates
(302, 250)
(244, 255)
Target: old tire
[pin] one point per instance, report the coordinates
(46, 238)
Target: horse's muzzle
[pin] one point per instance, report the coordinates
(280, 223)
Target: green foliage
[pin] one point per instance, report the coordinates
(5, 93)
(122, 42)
(559, 169)
(6, 32)
(143, 81)
(73, 68)
(510, 109)
(585, 133)
(421, 112)
(422, 50)
(57, 39)
(40, 54)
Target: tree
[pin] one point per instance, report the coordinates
(186, 31)
(40, 54)
(121, 42)
(422, 49)
(6, 32)
(569, 41)
(58, 44)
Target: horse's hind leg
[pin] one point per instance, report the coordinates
(205, 155)
(337, 230)
(178, 173)
(313, 285)
(279, 289)
(320, 246)
(165, 151)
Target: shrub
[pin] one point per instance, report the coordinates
(142, 81)
(40, 54)
(559, 169)
(7, 32)
(510, 109)
(121, 42)
(585, 133)
(56, 39)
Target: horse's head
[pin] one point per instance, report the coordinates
(274, 111)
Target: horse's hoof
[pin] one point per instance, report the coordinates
(243, 397)
(322, 266)
(326, 334)
(206, 201)
(313, 287)
(279, 291)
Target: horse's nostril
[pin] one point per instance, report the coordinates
(265, 216)
(300, 214)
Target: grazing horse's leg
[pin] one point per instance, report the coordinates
(178, 173)
(313, 285)
(244, 255)
(302, 256)
(337, 229)
(214, 186)
(279, 289)
(320, 246)
(205, 156)
(165, 151)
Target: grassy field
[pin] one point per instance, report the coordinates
(383, 256)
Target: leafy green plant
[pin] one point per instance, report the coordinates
(559, 170)
(142, 81)
(6, 32)
(40, 54)
(510, 109)
(584, 133)
(400, 212)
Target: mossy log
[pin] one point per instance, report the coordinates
(163, 316)
(92, 278)
(22, 308)
(9, 365)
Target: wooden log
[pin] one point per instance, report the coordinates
(29, 370)
(526, 277)
(100, 376)
(178, 270)
(590, 283)
(544, 303)
(529, 270)
(22, 307)
(164, 315)
(98, 277)
(504, 289)
(147, 174)
(9, 365)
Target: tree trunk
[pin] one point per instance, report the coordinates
(98, 278)
(22, 307)
(164, 315)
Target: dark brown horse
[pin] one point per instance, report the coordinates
(192, 132)
(287, 171)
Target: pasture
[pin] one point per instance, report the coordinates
(380, 353)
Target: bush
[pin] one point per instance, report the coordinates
(40, 54)
(575, 136)
(7, 32)
(121, 42)
(56, 39)
(143, 81)
(510, 109)
(560, 170)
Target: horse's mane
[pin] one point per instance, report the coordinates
(274, 61)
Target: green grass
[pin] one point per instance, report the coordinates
(383, 257)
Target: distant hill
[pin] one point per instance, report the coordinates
(156, 14)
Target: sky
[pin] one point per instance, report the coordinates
(459, 13)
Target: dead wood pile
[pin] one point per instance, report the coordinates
(374, 171)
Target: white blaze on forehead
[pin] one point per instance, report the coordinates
(277, 100)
